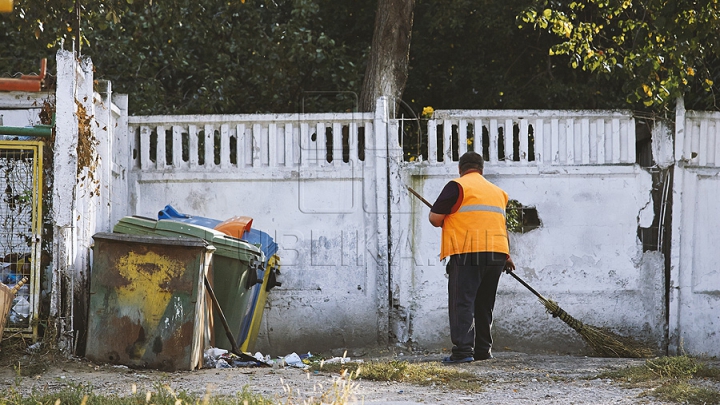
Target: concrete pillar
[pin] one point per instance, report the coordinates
(63, 198)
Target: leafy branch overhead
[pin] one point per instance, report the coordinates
(662, 49)
(226, 57)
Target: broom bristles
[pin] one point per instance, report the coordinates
(602, 342)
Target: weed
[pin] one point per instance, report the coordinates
(686, 393)
(424, 374)
(704, 371)
(679, 367)
(670, 379)
(341, 392)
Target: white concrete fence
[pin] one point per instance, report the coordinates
(237, 142)
(359, 259)
(701, 139)
(542, 137)
(331, 189)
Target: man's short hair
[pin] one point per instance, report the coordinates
(471, 160)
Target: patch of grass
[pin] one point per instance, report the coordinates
(680, 367)
(163, 395)
(682, 392)
(670, 379)
(424, 374)
(712, 373)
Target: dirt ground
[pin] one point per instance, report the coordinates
(510, 378)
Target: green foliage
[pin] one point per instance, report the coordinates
(206, 56)
(661, 49)
(212, 56)
(469, 54)
(513, 218)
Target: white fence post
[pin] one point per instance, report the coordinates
(121, 162)
(63, 213)
(674, 343)
(377, 160)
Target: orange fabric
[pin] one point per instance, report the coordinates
(479, 224)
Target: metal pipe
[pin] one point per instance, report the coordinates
(37, 130)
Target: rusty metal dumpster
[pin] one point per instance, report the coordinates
(147, 301)
(236, 265)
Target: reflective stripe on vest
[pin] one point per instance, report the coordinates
(479, 207)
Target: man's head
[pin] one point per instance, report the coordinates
(470, 161)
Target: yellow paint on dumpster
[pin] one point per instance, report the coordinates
(6, 6)
(148, 272)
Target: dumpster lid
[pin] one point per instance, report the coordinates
(158, 240)
(226, 245)
(183, 228)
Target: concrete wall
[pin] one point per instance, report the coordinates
(320, 209)
(344, 260)
(576, 168)
(359, 260)
(694, 290)
(586, 256)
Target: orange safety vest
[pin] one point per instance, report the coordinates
(479, 223)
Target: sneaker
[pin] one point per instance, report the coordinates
(450, 360)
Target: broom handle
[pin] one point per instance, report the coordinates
(20, 283)
(416, 194)
(532, 290)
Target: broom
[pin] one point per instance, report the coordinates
(602, 342)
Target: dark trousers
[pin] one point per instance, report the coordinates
(472, 285)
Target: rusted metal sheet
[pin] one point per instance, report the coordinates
(147, 302)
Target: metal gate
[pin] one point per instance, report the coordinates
(20, 230)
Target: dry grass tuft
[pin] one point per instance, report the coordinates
(670, 379)
(424, 374)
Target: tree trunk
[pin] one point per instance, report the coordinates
(387, 68)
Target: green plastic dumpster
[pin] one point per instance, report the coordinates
(234, 269)
(147, 301)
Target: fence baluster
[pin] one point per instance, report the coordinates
(462, 137)
(257, 145)
(209, 145)
(523, 134)
(493, 146)
(585, 140)
(539, 140)
(273, 158)
(160, 148)
(432, 141)
(615, 141)
(337, 144)
(570, 141)
(224, 146)
(242, 146)
(177, 160)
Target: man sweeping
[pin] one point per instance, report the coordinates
(471, 212)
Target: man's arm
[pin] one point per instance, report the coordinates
(436, 219)
(446, 204)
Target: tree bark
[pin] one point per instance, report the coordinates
(387, 68)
